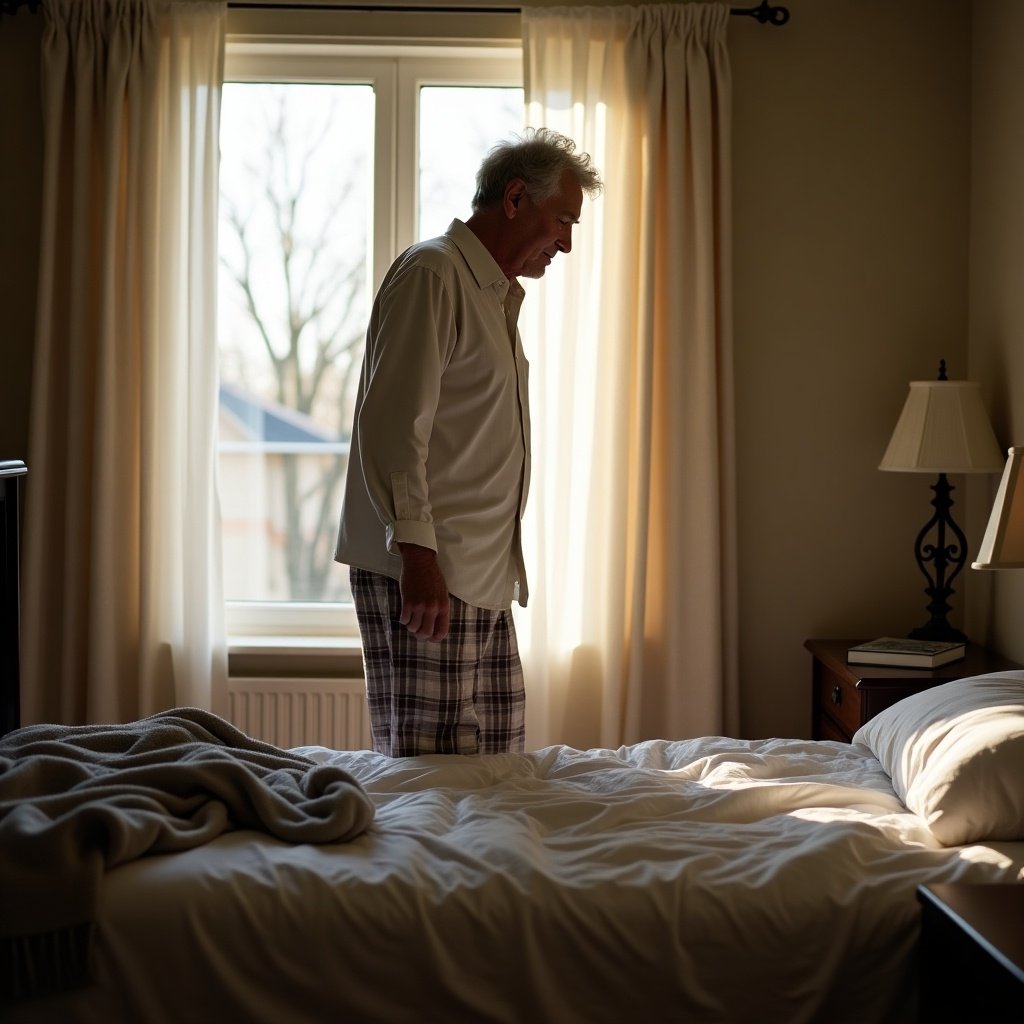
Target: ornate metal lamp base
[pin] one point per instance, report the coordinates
(941, 632)
(936, 560)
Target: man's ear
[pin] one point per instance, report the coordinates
(515, 192)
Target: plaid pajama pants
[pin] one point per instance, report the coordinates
(463, 695)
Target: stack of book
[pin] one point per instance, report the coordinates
(888, 650)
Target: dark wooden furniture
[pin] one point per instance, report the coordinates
(844, 696)
(971, 954)
(11, 474)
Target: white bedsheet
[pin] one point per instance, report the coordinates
(713, 880)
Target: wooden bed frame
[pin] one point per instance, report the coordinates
(10, 615)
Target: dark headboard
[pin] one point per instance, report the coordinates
(11, 474)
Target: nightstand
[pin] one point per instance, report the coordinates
(844, 697)
(971, 956)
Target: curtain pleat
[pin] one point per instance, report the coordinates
(631, 632)
(122, 606)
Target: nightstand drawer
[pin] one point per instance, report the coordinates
(839, 699)
(826, 729)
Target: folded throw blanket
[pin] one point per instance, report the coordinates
(77, 800)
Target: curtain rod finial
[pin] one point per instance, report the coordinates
(765, 13)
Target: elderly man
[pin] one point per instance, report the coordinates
(440, 461)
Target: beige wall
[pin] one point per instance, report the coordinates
(997, 274)
(851, 228)
(852, 153)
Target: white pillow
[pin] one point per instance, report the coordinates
(955, 754)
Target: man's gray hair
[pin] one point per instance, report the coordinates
(540, 157)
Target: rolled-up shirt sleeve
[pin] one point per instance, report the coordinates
(409, 344)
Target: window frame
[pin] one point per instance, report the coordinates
(396, 70)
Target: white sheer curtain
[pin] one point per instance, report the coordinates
(123, 607)
(631, 631)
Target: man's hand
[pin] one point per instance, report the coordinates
(426, 608)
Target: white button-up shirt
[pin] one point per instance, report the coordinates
(441, 440)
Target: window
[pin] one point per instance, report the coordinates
(333, 160)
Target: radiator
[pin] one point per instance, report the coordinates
(296, 712)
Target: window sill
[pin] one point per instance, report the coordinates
(297, 645)
(307, 656)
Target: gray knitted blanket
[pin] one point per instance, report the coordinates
(78, 800)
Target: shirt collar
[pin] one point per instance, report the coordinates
(482, 264)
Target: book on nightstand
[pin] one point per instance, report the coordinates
(889, 650)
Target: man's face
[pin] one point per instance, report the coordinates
(542, 230)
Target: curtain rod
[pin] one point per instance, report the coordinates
(765, 13)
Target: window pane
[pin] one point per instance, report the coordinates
(448, 160)
(296, 199)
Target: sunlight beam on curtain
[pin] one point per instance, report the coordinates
(631, 632)
(123, 610)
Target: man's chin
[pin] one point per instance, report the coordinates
(534, 269)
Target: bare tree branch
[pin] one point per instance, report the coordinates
(309, 328)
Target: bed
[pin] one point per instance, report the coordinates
(711, 879)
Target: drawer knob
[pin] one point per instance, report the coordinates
(837, 694)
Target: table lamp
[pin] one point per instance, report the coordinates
(943, 429)
(1003, 544)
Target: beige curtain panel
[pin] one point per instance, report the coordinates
(631, 632)
(122, 605)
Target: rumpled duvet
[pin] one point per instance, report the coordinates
(708, 881)
(78, 800)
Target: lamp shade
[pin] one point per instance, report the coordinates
(943, 429)
(1003, 544)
